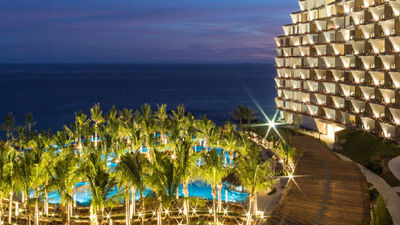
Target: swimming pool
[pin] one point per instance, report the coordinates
(198, 188)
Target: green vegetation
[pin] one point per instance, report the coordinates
(370, 151)
(379, 213)
(151, 149)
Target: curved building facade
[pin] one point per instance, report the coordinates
(338, 66)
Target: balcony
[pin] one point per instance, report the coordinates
(378, 12)
(358, 46)
(377, 110)
(338, 102)
(339, 22)
(368, 30)
(330, 88)
(388, 130)
(321, 74)
(321, 49)
(395, 76)
(321, 99)
(338, 48)
(287, 51)
(396, 7)
(305, 74)
(388, 96)
(395, 114)
(294, 40)
(368, 61)
(368, 92)
(389, 27)
(329, 61)
(280, 62)
(358, 17)
(395, 42)
(347, 62)
(348, 89)
(390, 62)
(358, 76)
(330, 114)
(321, 25)
(338, 75)
(304, 50)
(368, 123)
(378, 77)
(378, 45)
(359, 106)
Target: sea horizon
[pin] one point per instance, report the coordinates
(54, 92)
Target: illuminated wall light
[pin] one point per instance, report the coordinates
(387, 67)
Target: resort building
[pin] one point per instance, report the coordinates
(338, 66)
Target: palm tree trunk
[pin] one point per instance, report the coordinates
(159, 222)
(127, 207)
(28, 210)
(1, 209)
(36, 208)
(219, 188)
(255, 208)
(143, 208)
(46, 203)
(93, 215)
(186, 207)
(64, 215)
(95, 138)
(133, 203)
(231, 158)
(249, 213)
(214, 193)
(10, 201)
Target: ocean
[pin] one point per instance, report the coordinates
(53, 93)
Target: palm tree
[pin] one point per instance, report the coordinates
(8, 160)
(148, 126)
(8, 125)
(164, 179)
(101, 183)
(25, 175)
(212, 172)
(97, 118)
(20, 140)
(162, 119)
(65, 174)
(238, 115)
(249, 115)
(254, 173)
(29, 123)
(78, 129)
(230, 140)
(8, 175)
(205, 129)
(132, 172)
(185, 158)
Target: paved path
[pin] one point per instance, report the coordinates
(394, 166)
(392, 199)
(328, 191)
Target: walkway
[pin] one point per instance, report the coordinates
(392, 199)
(394, 166)
(328, 190)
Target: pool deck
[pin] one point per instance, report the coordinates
(328, 191)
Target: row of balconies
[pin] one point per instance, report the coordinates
(360, 11)
(381, 29)
(367, 118)
(304, 90)
(383, 79)
(366, 62)
(378, 46)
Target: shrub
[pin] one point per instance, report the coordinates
(380, 214)
(375, 167)
(373, 194)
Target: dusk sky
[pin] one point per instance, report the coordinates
(141, 31)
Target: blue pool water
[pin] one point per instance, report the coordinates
(196, 189)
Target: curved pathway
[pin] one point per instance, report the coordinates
(327, 190)
(394, 166)
(392, 200)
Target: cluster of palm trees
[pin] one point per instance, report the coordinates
(153, 150)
